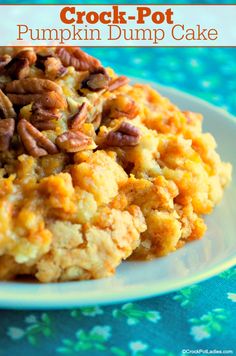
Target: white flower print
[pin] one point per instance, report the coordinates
(134, 314)
(199, 333)
(137, 346)
(132, 321)
(31, 319)
(104, 331)
(232, 296)
(15, 333)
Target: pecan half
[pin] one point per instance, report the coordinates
(125, 135)
(32, 86)
(17, 68)
(6, 108)
(41, 59)
(123, 105)
(75, 121)
(50, 100)
(4, 60)
(7, 127)
(28, 54)
(43, 119)
(75, 57)
(35, 143)
(54, 68)
(73, 141)
(97, 121)
(129, 129)
(118, 82)
(97, 80)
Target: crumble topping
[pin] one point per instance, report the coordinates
(94, 170)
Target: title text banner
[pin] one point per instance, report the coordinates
(118, 25)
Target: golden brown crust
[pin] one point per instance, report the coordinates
(97, 170)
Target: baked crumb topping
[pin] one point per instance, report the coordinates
(94, 170)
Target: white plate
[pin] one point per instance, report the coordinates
(193, 263)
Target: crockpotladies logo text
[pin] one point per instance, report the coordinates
(115, 25)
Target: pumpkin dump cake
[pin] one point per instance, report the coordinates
(94, 170)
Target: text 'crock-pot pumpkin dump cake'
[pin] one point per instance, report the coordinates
(94, 170)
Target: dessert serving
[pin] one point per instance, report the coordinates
(94, 170)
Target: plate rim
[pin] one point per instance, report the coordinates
(71, 300)
(136, 293)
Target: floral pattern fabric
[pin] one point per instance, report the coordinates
(198, 317)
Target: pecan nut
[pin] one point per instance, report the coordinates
(7, 127)
(75, 57)
(43, 119)
(32, 86)
(35, 143)
(41, 59)
(123, 105)
(97, 80)
(44, 91)
(75, 121)
(97, 121)
(129, 129)
(54, 68)
(73, 141)
(17, 68)
(28, 54)
(125, 135)
(50, 100)
(4, 60)
(6, 108)
(118, 82)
